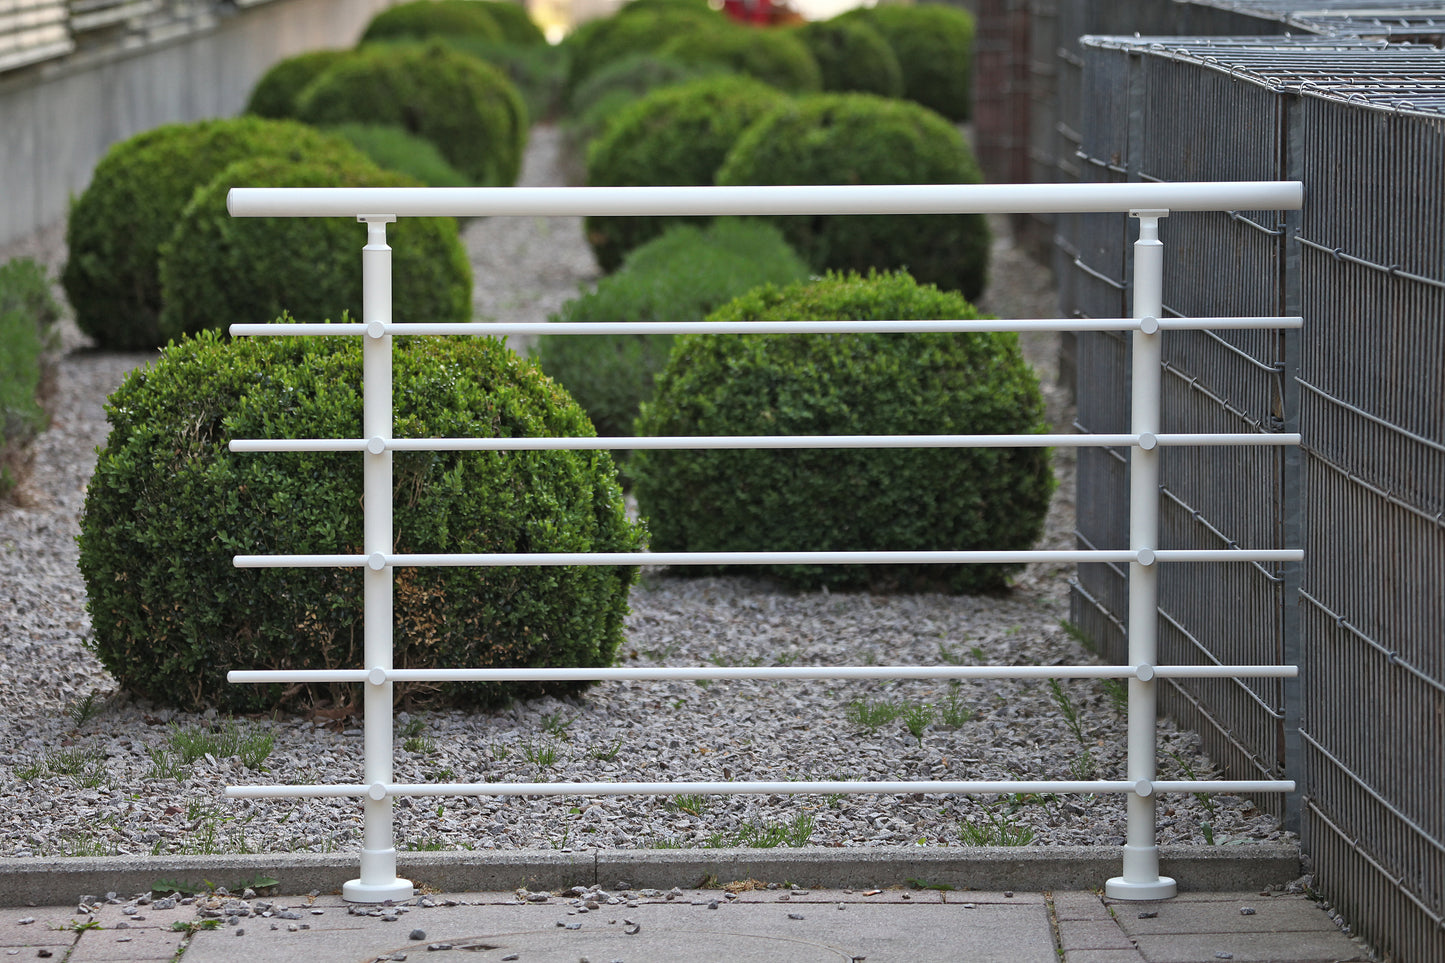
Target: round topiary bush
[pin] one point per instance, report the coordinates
(835, 500)
(679, 276)
(469, 109)
(136, 195)
(608, 92)
(852, 57)
(275, 93)
(863, 139)
(516, 23)
(395, 149)
(422, 19)
(598, 43)
(934, 45)
(676, 135)
(776, 57)
(218, 270)
(170, 504)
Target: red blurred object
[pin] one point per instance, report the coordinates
(763, 13)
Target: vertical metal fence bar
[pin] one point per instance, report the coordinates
(1141, 879)
(378, 881)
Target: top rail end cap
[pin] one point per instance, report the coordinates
(230, 194)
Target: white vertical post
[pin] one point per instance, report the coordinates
(378, 881)
(1141, 879)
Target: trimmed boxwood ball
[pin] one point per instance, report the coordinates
(852, 57)
(607, 93)
(275, 93)
(170, 504)
(623, 81)
(680, 276)
(135, 197)
(218, 270)
(421, 19)
(864, 139)
(393, 148)
(934, 45)
(776, 57)
(516, 23)
(467, 108)
(598, 43)
(835, 500)
(676, 135)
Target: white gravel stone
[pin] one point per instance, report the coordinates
(622, 731)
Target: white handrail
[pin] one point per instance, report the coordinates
(378, 206)
(363, 202)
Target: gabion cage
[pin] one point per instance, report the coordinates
(1362, 125)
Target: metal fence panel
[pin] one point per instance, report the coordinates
(1362, 124)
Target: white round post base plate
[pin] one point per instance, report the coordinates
(355, 891)
(1161, 888)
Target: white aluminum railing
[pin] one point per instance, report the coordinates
(376, 207)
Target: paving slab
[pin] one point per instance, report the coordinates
(1234, 913)
(695, 928)
(1292, 947)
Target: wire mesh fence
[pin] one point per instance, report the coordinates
(1362, 124)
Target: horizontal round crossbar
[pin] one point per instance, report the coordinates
(1077, 556)
(377, 446)
(377, 329)
(380, 676)
(383, 790)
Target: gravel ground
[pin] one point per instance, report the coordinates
(86, 770)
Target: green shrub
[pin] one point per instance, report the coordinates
(832, 500)
(600, 42)
(27, 315)
(137, 193)
(638, 6)
(680, 276)
(605, 94)
(217, 270)
(863, 139)
(852, 57)
(677, 135)
(275, 93)
(424, 19)
(169, 505)
(469, 109)
(775, 57)
(393, 148)
(934, 46)
(517, 25)
(538, 71)
(633, 77)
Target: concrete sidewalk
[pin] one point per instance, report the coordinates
(692, 926)
(672, 906)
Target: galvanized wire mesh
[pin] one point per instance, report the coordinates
(1362, 124)
(1393, 19)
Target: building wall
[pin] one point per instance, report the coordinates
(58, 118)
